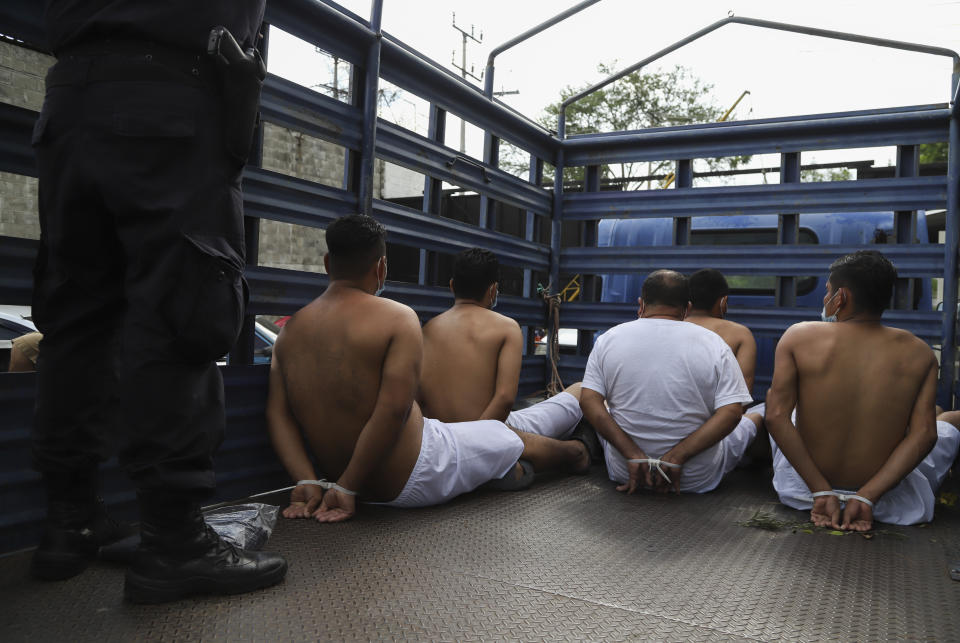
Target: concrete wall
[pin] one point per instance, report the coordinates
(282, 245)
(21, 84)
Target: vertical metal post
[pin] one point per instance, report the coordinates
(491, 157)
(681, 225)
(788, 230)
(535, 176)
(432, 188)
(242, 352)
(353, 160)
(555, 224)
(905, 224)
(529, 229)
(588, 235)
(555, 229)
(370, 88)
(946, 393)
(588, 238)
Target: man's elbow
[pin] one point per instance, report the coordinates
(502, 405)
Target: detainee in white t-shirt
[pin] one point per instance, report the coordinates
(665, 396)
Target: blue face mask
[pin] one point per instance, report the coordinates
(823, 313)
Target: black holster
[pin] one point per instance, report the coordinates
(241, 78)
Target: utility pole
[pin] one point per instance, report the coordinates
(463, 70)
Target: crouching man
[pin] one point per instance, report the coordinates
(344, 374)
(865, 443)
(673, 394)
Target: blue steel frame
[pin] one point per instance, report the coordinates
(354, 126)
(905, 127)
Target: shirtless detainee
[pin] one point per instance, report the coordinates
(472, 358)
(866, 432)
(673, 392)
(708, 307)
(344, 374)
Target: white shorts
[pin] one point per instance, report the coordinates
(555, 417)
(704, 471)
(456, 458)
(910, 502)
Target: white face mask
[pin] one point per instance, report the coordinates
(383, 285)
(823, 313)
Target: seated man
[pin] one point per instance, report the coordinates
(708, 307)
(345, 370)
(24, 353)
(674, 392)
(866, 430)
(472, 358)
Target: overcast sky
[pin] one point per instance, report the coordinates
(786, 74)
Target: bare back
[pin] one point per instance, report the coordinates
(859, 386)
(333, 358)
(471, 355)
(738, 337)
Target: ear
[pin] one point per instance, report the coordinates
(326, 262)
(451, 286)
(640, 309)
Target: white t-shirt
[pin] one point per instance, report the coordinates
(662, 379)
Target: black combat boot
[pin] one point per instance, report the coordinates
(77, 526)
(181, 555)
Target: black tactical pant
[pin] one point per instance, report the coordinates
(138, 285)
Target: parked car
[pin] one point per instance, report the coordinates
(16, 321)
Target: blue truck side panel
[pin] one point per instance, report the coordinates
(834, 229)
(273, 196)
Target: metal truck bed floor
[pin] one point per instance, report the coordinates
(568, 559)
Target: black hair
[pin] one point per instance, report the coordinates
(473, 272)
(869, 276)
(706, 287)
(355, 242)
(665, 288)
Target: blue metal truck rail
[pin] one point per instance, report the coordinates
(353, 125)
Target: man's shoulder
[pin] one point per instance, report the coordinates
(737, 328)
(908, 341)
(806, 330)
(396, 311)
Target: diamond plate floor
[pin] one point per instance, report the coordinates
(569, 559)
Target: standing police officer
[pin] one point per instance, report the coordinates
(138, 285)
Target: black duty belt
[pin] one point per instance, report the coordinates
(129, 60)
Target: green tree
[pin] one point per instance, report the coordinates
(933, 152)
(636, 101)
(822, 176)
